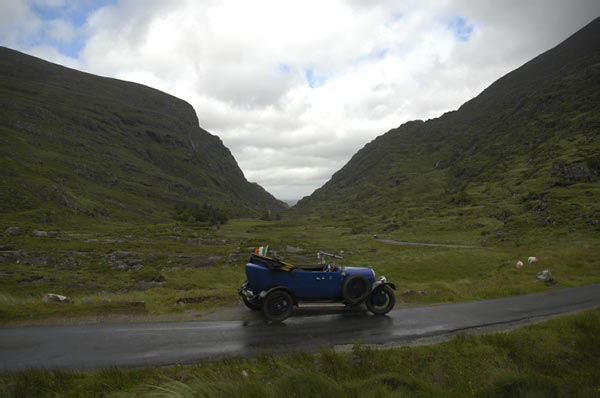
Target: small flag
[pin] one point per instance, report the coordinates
(262, 250)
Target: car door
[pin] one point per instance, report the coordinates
(317, 284)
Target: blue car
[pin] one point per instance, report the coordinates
(275, 287)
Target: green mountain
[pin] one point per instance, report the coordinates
(72, 143)
(525, 151)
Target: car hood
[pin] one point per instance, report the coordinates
(364, 271)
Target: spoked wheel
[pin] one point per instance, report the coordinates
(278, 305)
(355, 289)
(381, 301)
(251, 305)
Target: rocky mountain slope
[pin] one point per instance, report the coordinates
(72, 143)
(526, 150)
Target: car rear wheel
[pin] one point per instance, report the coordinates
(381, 301)
(277, 306)
(356, 288)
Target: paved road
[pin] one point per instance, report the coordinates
(400, 243)
(139, 344)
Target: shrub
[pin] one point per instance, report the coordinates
(200, 213)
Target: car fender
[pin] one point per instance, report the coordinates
(382, 282)
(265, 293)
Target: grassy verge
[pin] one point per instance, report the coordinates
(132, 269)
(560, 357)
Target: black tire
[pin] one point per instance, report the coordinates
(356, 288)
(277, 306)
(381, 301)
(252, 306)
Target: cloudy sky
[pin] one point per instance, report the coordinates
(295, 88)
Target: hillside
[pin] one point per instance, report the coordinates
(75, 144)
(526, 151)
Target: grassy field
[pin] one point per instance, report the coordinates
(560, 357)
(126, 271)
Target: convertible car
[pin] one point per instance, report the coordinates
(275, 287)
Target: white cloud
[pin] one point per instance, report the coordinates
(18, 24)
(294, 89)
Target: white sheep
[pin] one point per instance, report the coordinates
(532, 260)
(519, 264)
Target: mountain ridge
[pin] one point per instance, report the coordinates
(104, 147)
(530, 136)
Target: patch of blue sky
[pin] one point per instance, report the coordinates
(373, 57)
(461, 27)
(314, 80)
(75, 13)
(71, 49)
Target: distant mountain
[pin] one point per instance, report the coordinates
(72, 143)
(290, 202)
(527, 148)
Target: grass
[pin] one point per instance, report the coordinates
(560, 357)
(109, 269)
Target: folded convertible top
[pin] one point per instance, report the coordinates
(271, 263)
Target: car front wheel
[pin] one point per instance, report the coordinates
(277, 306)
(381, 300)
(355, 289)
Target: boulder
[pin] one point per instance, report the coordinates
(546, 277)
(203, 261)
(57, 298)
(40, 233)
(13, 231)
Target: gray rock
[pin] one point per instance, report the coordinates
(57, 298)
(40, 233)
(143, 285)
(119, 265)
(120, 254)
(13, 231)
(36, 280)
(292, 249)
(136, 267)
(10, 256)
(546, 277)
(136, 303)
(132, 260)
(41, 260)
(203, 261)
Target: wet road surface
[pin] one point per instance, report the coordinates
(141, 344)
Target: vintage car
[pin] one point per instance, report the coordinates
(275, 287)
